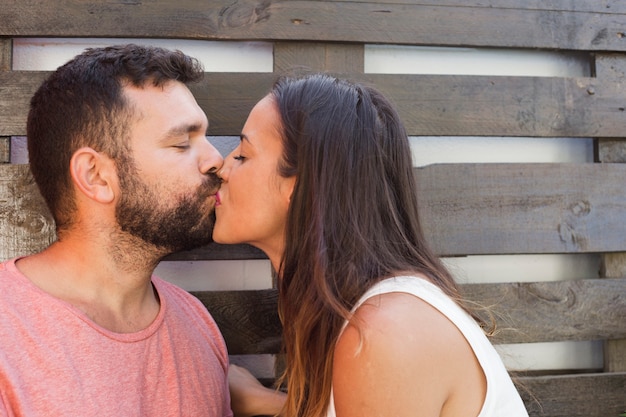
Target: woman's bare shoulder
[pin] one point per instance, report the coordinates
(394, 341)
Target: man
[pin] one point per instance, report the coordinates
(118, 150)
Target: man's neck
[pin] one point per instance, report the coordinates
(113, 288)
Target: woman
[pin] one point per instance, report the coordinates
(322, 182)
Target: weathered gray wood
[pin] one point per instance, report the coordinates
(590, 395)
(215, 251)
(5, 54)
(247, 319)
(613, 264)
(16, 89)
(610, 6)
(5, 149)
(343, 58)
(524, 312)
(612, 150)
(587, 26)
(523, 208)
(438, 105)
(553, 311)
(228, 98)
(25, 223)
(443, 105)
(466, 209)
(612, 67)
(614, 356)
(5, 65)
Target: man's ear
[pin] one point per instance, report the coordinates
(93, 174)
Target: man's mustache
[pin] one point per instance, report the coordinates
(210, 185)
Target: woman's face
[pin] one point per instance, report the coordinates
(253, 201)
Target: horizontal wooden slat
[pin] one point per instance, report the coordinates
(588, 395)
(336, 57)
(215, 251)
(436, 105)
(589, 309)
(524, 312)
(591, 25)
(607, 6)
(523, 208)
(466, 209)
(458, 105)
(16, 89)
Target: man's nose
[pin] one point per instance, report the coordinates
(210, 159)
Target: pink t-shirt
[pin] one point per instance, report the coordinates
(54, 361)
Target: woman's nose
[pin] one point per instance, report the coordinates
(224, 171)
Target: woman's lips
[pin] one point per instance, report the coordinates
(217, 199)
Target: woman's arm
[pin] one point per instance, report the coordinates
(248, 397)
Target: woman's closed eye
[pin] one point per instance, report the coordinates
(239, 157)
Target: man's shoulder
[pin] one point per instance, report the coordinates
(8, 273)
(163, 286)
(174, 295)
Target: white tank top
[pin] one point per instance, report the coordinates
(502, 398)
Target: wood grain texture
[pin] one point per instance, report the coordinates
(553, 311)
(333, 57)
(587, 26)
(215, 252)
(611, 150)
(439, 105)
(524, 312)
(16, 90)
(6, 52)
(228, 98)
(25, 223)
(247, 319)
(523, 208)
(5, 149)
(590, 395)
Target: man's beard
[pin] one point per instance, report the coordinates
(186, 225)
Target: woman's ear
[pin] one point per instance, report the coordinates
(93, 174)
(288, 187)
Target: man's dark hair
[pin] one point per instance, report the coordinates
(82, 104)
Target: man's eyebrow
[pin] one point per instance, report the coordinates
(183, 129)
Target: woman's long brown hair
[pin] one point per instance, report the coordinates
(352, 221)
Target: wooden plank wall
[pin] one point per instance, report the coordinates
(467, 208)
